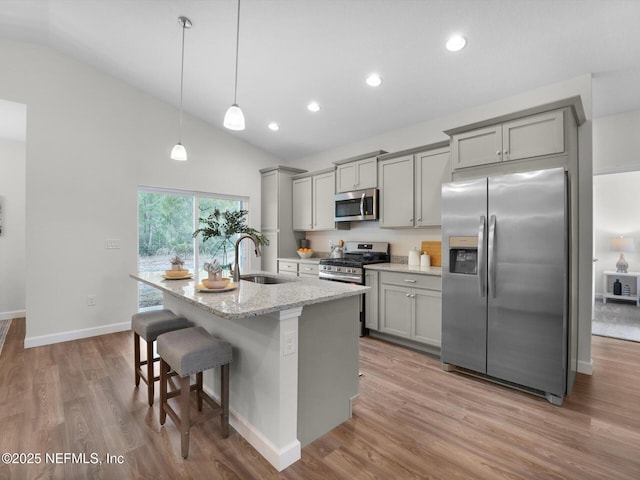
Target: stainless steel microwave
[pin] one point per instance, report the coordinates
(356, 206)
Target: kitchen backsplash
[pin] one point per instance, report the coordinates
(401, 240)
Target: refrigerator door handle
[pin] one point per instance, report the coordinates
(492, 256)
(482, 261)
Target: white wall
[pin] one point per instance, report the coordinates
(12, 239)
(91, 140)
(431, 132)
(616, 143)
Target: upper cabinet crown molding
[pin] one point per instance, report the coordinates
(375, 153)
(315, 172)
(283, 168)
(575, 104)
(414, 150)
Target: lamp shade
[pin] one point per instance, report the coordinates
(623, 244)
(234, 118)
(178, 152)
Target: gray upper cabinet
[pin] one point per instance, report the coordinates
(357, 173)
(410, 185)
(302, 204)
(324, 190)
(396, 199)
(432, 169)
(313, 201)
(528, 137)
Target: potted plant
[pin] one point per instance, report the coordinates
(177, 261)
(222, 227)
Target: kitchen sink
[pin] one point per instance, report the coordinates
(264, 279)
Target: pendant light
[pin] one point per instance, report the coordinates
(234, 118)
(178, 152)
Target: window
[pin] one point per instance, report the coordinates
(166, 222)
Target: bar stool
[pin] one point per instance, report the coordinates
(188, 351)
(149, 325)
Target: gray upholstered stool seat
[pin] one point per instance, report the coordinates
(149, 325)
(188, 351)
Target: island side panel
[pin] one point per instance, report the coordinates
(328, 366)
(263, 382)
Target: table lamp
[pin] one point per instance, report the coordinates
(622, 244)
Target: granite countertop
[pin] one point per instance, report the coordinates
(253, 299)
(404, 268)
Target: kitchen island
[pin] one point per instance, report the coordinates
(295, 355)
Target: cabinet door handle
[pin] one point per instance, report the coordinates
(408, 295)
(506, 152)
(409, 281)
(498, 152)
(420, 219)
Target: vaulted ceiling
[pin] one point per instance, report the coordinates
(295, 51)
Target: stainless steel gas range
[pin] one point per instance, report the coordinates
(350, 268)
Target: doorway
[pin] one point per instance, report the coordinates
(616, 197)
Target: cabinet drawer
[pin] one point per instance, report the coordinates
(287, 267)
(411, 280)
(308, 269)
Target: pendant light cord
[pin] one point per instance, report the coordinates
(235, 88)
(184, 27)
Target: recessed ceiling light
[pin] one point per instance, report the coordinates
(456, 43)
(313, 107)
(374, 80)
(274, 126)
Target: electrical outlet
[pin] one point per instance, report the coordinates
(112, 243)
(290, 340)
(91, 300)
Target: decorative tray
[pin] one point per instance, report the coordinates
(201, 288)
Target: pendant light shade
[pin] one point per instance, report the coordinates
(178, 152)
(234, 118)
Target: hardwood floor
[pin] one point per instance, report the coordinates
(412, 420)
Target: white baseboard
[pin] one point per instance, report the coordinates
(280, 458)
(12, 315)
(75, 334)
(585, 367)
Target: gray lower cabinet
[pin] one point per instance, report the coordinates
(298, 268)
(371, 300)
(288, 268)
(308, 269)
(411, 307)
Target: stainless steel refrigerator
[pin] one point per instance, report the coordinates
(505, 279)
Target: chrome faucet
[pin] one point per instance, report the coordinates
(236, 266)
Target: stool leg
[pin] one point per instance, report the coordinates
(136, 357)
(199, 389)
(185, 421)
(224, 400)
(150, 374)
(164, 369)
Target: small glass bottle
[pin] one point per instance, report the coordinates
(617, 287)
